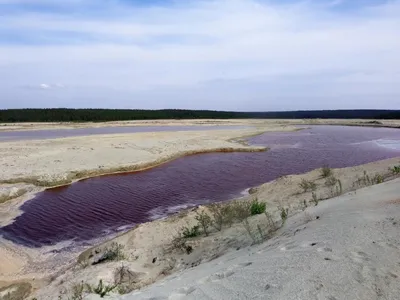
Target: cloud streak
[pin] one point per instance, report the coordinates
(237, 54)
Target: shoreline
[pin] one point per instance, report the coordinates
(22, 254)
(180, 218)
(20, 198)
(32, 126)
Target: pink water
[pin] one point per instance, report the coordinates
(104, 205)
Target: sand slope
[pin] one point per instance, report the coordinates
(352, 251)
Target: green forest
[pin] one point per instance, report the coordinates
(102, 115)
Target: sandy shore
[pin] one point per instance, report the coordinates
(345, 248)
(27, 167)
(205, 122)
(147, 248)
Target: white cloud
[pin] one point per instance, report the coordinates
(196, 52)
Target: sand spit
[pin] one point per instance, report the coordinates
(28, 167)
(302, 245)
(205, 122)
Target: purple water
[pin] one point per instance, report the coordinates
(103, 205)
(62, 133)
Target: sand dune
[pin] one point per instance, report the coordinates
(350, 252)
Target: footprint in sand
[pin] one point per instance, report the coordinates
(182, 293)
(224, 274)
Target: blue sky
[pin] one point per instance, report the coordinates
(209, 54)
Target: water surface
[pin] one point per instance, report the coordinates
(62, 133)
(103, 205)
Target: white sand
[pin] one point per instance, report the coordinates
(151, 240)
(351, 252)
(197, 122)
(30, 162)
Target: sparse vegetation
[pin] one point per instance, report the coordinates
(331, 181)
(326, 172)
(366, 180)
(395, 170)
(77, 291)
(112, 253)
(307, 185)
(270, 220)
(179, 243)
(125, 279)
(304, 204)
(222, 214)
(315, 198)
(204, 220)
(247, 226)
(190, 232)
(284, 214)
(15, 291)
(101, 289)
(257, 208)
(377, 179)
(241, 210)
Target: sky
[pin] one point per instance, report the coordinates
(246, 55)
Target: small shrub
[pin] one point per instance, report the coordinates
(204, 220)
(190, 232)
(340, 187)
(395, 170)
(125, 279)
(284, 214)
(179, 243)
(315, 199)
(101, 289)
(261, 233)
(326, 172)
(77, 291)
(112, 253)
(304, 205)
(307, 185)
(247, 226)
(257, 208)
(378, 179)
(222, 214)
(241, 210)
(270, 220)
(331, 181)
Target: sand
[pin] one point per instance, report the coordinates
(205, 122)
(218, 258)
(350, 252)
(30, 165)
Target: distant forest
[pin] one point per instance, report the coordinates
(101, 115)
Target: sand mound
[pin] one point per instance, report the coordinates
(345, 248)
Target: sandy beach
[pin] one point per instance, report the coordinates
(200, 122)
(27, 167)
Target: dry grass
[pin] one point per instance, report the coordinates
(17, 291)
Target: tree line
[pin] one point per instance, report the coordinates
(103, 115)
